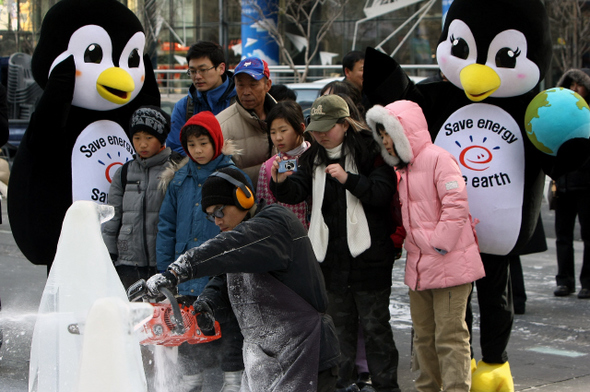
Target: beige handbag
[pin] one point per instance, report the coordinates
(552, 195)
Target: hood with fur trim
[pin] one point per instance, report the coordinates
(580, 76)
(405, 123)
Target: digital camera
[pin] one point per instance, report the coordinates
(288, 165)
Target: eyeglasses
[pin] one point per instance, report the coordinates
(200, 71)
(217, 213)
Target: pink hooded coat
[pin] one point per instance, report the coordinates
(433, 195)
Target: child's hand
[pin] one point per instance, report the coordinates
(274, 171)
(336, 171)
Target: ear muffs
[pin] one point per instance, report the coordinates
(243, 196)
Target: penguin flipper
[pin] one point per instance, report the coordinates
(54, 106)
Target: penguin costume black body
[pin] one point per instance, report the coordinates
(494, 55)
(90, 62)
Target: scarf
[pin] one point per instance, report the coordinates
(297, 151)
(357, 228)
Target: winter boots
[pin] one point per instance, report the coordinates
(232, 381)
(191, 383)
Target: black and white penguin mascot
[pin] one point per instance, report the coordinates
(493, 54)
(90, 62)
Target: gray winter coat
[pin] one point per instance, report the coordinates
(131, 235)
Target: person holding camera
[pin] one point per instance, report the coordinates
(273, 283)
(351, 189)
(286, 124)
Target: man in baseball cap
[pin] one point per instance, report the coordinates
(244, 121)
(253, 66)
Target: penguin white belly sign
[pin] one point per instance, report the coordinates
(487, 143)
(100, 149)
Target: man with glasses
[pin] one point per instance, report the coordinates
(212, 88)
(264, 269)
(244, 121)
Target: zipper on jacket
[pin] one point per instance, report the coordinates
(144, 205)
(137, 183)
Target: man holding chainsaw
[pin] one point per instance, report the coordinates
(272, 281)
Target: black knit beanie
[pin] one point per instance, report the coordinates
(150, 119)
(217, 190)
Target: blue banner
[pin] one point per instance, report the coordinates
(445, 8)
(256, 42)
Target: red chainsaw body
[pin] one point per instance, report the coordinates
(161, 330)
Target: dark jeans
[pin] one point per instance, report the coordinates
(494, 295)
(570, 204)
(327, 379)
(372, 309)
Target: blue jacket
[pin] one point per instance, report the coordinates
(215, 101)
(183, 224)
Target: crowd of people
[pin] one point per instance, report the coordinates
(285, 230)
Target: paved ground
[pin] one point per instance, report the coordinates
(549, 349)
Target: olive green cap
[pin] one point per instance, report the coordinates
(325, 112)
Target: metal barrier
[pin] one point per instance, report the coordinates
(174, 81)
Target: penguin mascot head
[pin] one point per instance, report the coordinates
(496, 48)
(106, 41)
(91, 65)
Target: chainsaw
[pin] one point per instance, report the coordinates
(172, 323)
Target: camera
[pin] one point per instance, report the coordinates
(288, 165)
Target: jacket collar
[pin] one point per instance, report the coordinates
(157, 159)
(220, 93)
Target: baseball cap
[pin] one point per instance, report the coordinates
(254, 67)
(325, 113)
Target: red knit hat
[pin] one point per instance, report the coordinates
(208, 121)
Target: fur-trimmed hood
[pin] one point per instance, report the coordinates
(580, 76)
(228, 149)
(406, 125)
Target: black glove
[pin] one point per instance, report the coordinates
(156, 282)
(205, 317)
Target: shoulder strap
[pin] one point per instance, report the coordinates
(190, 107)
(124, 170)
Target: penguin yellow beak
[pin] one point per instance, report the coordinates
(115, 85)
(479, 81)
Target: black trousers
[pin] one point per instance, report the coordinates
(372, 309)
(570, 204)
(494, 295)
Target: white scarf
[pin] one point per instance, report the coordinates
(357, 228)
(297, 151)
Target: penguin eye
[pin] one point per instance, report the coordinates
(459, 48)
(93, 54)
(506, 58)
(134, 59)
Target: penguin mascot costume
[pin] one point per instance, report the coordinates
(91, 65)
(493, 54)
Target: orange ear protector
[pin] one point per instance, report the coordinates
(243, 196)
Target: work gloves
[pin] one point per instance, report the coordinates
(205, 316)
(156, 282)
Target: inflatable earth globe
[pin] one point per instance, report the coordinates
(555, 116)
